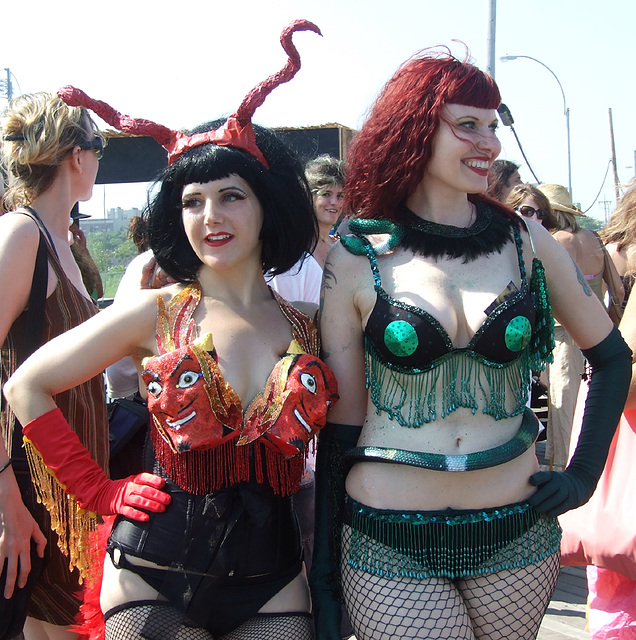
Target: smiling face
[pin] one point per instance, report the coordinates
(327, 204)
(222, 221)
(293, 408)
(463, 149)
(181, 399)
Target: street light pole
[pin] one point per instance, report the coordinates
(566, 110)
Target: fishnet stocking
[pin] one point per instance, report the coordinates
(151, 621)
(158, 621)
(507, 605)
(274, 626)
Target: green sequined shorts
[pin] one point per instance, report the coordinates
(451, 544)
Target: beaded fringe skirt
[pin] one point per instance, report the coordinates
(451, 544)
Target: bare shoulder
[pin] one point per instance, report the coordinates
(566, 239)
(343, 267)
(141, 310)
(17, 229)
(588, 239)
(536, 237)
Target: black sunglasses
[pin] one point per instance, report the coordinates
(96, 145)
(527, 212)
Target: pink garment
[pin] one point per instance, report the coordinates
(612, 605)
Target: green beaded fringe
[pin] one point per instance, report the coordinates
(449, 544)
(521, 442)
(542, 340)
(411, 397)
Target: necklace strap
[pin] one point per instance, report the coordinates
(34, 214)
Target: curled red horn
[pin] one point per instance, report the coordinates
(236, 132)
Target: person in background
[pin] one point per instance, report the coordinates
(51, 152)
(619, 236)
(90, 273)
(565, 372)
(436, 309)
(325, 175)
(503, 176)
(612, 595)
(531, 203)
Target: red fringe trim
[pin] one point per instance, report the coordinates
(202, 472)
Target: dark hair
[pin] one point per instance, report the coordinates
(289, 226)
(499, 176)
(324, 171)
(388, 157)
(138, 233)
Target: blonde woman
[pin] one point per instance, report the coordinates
(620, 237)
(51, 154)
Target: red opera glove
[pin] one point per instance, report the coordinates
(72, 466)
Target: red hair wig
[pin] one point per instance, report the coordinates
(387, 158)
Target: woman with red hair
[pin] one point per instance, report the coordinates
(436, 308)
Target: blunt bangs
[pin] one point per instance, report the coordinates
(289, 224)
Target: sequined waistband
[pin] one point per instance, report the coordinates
(521, 442)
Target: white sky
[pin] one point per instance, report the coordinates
(192, 60)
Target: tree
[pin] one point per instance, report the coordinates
(112, 252)
(585, 222)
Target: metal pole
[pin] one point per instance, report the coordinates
(566, 111)
(617, 190)
(9, 88)
(567, 125)
(492, 28)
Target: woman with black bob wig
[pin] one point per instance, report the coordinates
(206, 543)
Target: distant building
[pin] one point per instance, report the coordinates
(140, 158)
(117, 219)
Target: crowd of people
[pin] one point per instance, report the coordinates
(389, 313)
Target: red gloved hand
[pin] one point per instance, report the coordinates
(127, 496)
(71, 464)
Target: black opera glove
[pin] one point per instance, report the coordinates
(334, 440)
(560, 491)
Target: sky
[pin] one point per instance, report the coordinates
(193, 60)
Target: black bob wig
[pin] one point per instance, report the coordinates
(289, 223)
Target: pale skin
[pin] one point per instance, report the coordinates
(624, 258)
(222, 221)
(456, 294)
(19, 239)
(327, 205)
(584, 248)
(628, 330)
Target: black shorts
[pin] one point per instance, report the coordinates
(228, 553)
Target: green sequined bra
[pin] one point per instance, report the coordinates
(413, 371)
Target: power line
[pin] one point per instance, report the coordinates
(508, 120)
(609, 163)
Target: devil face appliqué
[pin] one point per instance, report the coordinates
(293, 407)
(191, 407)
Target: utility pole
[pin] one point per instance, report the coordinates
(492, 27)
(7, 83)
(617, 189)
